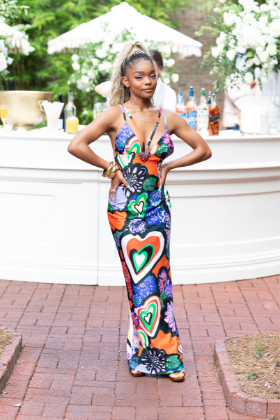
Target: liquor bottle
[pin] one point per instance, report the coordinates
(70, 120)
(214, 117)
(192, 110)
(202, 113)
(61, 118)
(209, 101)
(180, 107)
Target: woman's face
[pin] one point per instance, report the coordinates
(141, 79)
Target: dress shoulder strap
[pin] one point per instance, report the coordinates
(123, 111)
(165, 119)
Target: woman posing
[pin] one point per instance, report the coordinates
(139, 205)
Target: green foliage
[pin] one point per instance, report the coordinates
(11, 9)
(51, 18)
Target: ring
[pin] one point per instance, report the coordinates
(113, 190)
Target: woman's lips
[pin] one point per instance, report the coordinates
(148, 90)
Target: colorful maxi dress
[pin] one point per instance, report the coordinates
(140, 222)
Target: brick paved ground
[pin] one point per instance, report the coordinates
(73, 365)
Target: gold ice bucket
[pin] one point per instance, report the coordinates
(25, 108)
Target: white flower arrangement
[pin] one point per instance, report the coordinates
(92, 64)
(248, 40)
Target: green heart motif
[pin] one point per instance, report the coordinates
(147, 317)
(138, 207)
(141, 258)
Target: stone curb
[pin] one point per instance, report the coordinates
(237, 400)
(9, 357)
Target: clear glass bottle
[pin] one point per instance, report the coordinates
(69, 110)
(202, 113)
(180, 107)
(192, 110)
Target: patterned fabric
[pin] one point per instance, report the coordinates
(140, 222)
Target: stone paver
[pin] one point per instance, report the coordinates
(73, 365)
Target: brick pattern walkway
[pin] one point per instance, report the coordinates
(73, 365)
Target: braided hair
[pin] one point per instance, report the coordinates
(131, 53)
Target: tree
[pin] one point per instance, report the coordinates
(51, 18)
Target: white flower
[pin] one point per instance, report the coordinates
(264, 8)
(2, 46)
(248, 77)
(265, 65)
(75, 57)
(109, 39)
(264, 19)
(166, 49)
(274, 14)
(117, 47)
(105, 46)
(91, 74)
(215, 52)
(240, 49)
(94, 62)
(257, 72)
(275, 28)
(250, 62)
(229, 18)
(257, 61)
(9, 60)
(166, 81)
(3, 63)
(170, 62)
(76, 65)
(259, 49)
(231, 54)
(271, 49)
(104, 66)
(222, 1)
(264, 56)
(175, 78)
(80, 85)
(232, 43)
(220, 41)
(100, 53)
(85, 79)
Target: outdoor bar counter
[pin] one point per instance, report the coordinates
(53, 220)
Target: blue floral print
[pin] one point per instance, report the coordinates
(155, 197)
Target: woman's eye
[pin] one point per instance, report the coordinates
(138, 78)
(153, 76)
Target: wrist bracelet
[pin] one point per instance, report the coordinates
(108, 170)
(113, 172)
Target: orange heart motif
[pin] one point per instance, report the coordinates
(141, 254)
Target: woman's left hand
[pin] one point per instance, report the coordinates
(164, 171)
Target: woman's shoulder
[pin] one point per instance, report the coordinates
(113, 111)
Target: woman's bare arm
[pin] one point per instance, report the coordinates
(79, 146)
(106, 122)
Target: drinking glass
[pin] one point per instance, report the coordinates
(4, 114)
(97, 109)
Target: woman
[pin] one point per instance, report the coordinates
(164, 96)
(139, 205)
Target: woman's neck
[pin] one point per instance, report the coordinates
(135, 102)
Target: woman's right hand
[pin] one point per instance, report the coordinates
(118, 178)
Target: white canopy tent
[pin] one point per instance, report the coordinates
(124, 17)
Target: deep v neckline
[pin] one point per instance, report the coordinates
(145, 149)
